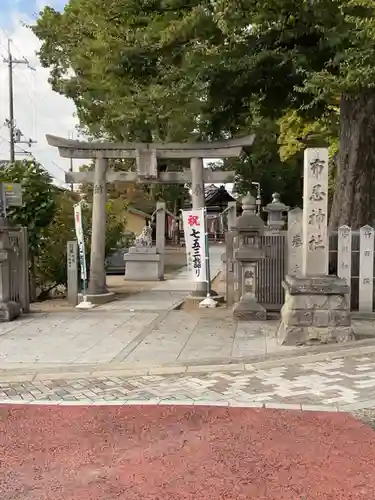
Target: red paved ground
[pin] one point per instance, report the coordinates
(82, 453)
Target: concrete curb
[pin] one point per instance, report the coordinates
(184, 402)
(32, 372)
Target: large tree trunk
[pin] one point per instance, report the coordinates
(354, 196)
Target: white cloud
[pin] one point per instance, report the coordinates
(37, 109)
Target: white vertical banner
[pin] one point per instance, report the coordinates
(80, 240)
(195, 243)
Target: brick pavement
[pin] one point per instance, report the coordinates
(345, 383)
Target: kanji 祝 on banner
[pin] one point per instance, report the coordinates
(195, 242)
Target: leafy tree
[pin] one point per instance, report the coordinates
(307, 56)
(38, 199)
(187, 69)
(38, 208)
(51, 269)
(51, 262)
(47, 212)
(121, 91)
(125, 83)
(263, 165)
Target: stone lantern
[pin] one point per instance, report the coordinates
(275, 211)
(250, 229)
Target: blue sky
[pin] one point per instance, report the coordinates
(38, 110)
(27, 7)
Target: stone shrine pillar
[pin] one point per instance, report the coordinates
(97, 289)
(232, 215)
(198, 201)
(160, 233)
(231, 226)
(275, 211)
(72, 271)
(316, 307)
(250, 228)
(197, 183)
(9, 309)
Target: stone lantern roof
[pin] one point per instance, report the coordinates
(250, 221)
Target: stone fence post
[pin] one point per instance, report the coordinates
(9, 309)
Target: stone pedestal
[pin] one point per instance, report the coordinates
(96, 298)
(315, 311)
(9, 310)
(248, 309)
(143, 264)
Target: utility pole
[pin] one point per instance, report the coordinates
(15, 135)
(11, 104)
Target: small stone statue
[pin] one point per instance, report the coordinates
(145, 238)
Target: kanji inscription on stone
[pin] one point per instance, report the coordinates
(366, 268)
(315, 209)
(344, 255)
(294, 239)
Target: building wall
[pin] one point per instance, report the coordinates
(135, 223)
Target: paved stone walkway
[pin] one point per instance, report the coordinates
(138, 339)
(166, 295)
(345, 383)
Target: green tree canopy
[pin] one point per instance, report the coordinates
(51, 265)
(186, 69)
(38, 196)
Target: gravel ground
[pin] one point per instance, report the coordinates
(183, 453)
(366, 416)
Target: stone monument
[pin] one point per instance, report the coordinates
(315, 308)
(143, 262)
(250, 228)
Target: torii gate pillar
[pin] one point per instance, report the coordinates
(198, 201)
(97, 289)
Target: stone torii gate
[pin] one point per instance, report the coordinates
(146, 156)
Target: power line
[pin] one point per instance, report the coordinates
(15, 134)
(30, 154)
